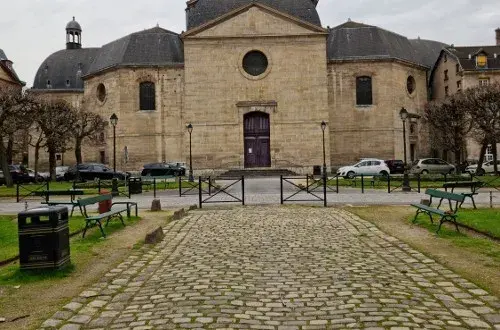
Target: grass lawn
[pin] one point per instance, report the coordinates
(81, 249)
(8, 237)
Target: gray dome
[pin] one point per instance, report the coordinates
(356, 41)
(156, 46)
(64, 69)
(73, 25)
(202, 11)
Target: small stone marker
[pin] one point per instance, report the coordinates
(178, 214)
(156, 205)
(155, 236)
(193, 207)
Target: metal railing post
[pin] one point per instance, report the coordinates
(209, 186)
(324, 190)
(200, 198)
(99, 186)
(17, 192)
(419, 182)
(307, 183)
(362, 184)
(154, 187)
(389, 184)
(243, 189)
(180, 186)
(337, 183)
(281, 189)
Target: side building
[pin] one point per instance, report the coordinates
(459, 68)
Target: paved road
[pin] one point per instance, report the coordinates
(279, 268)
(262, 191)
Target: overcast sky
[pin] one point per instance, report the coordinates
(30, 30)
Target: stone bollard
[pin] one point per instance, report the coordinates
(193, 207)
(178, 214)
(156, 205)
(155, 236)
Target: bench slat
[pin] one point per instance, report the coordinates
(106, 214)
(430, 209)
(94, 199)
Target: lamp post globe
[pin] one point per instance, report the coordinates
(190, 131)
(403, 114)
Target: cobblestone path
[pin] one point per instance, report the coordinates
(279, 268)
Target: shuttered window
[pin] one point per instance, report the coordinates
(364, 90)
(147, 96)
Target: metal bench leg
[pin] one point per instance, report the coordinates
(121, 219)
(100, 227)
(85, 229)
(440, 223)
(473, 202)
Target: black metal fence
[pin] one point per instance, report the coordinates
(191, 188)
(227, 193)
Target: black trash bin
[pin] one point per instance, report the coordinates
(317, 170)
(135, 185)
(44, 238)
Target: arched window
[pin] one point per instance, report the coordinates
(364, 90)
(147, 96)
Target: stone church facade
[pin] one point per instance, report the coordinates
(255, 79)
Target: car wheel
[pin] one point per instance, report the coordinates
(384, 174)
(480, 172)
(424, 172)
(451, 171)
(350, 175)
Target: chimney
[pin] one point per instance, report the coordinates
(498, 36)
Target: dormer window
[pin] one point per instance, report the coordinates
(481, 61)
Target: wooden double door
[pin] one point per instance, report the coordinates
(257, 140)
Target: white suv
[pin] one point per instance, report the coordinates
(366, 167)
(488, 167)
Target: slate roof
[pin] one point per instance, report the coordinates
(200, 12)
(65, 65)
(462, 53)
(155, 46)
(73, 25)
(355, 41)
(2, 55)
(7, 65)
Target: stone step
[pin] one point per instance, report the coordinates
(271, 172)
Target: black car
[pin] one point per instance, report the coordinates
(163, 169)
(92, 171)
(397, 166)
(19, 174)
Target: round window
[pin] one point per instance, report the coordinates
(101, 92)
(255, 63)
(410, 84)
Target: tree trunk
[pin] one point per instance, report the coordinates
(495, 157)
(458, 161)
(37, 156)
(78, 151)
(481, 156)
(10, 149)
(52, 164)
(4, 166)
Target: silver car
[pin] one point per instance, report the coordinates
(431, 165)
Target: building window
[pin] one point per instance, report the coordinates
(445, 75)
(364, 91)
(445, 58)
(457, 68)
(255, 63)
(147, 96)
(481, 61)
(410, 85)
(484, 81)
(101, 92)
(446, 92)
(459, 85)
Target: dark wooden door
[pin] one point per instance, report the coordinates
(257, 140)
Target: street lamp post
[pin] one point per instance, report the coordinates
(323, 127)
(403, 114)
(114, 120)
(190, 130)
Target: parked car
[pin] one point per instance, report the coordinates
(19, 174)
(431, 165)
(397, 166)
(163, 169)
(366, 167)
(40, 176)
(488, 167)
(60, 171)
(92, 171)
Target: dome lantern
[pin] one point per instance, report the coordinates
(73, 35)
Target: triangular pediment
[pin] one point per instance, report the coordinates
(255, 19)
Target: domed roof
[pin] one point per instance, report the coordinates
(155, 46)
(353, 40)
(63, 69)
(73, 25)
(200, 12)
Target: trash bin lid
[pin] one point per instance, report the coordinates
(44, 210)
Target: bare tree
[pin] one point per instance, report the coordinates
(88, 126)
(53, 129)
(16, 111)
(483, 106)
(450, 124)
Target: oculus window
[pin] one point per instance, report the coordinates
(364, 90)
(255, 63)
(147, 96)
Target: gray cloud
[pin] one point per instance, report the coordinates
(33, 29)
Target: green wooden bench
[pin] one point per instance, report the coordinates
(449, 215)
(71, 192)
(116, 211)
(474, 186)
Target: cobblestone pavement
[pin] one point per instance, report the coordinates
(279, 268)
